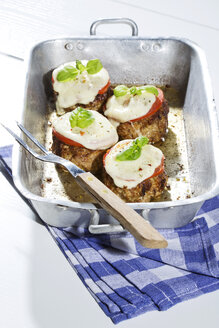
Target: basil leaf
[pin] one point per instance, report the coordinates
(134, 151)
(80, 66)
(130, 154)
(141, 141)
(73, 120)
(150, 89)
(138, 91)
(133, 90)
(81, 118)
(68, 73)
(94, 66)
(120, 90)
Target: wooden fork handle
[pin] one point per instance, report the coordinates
(141, 229)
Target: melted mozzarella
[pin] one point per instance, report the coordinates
(130, 173)
(114, 122)
(128, 107)
(101, 134)
(82, 90)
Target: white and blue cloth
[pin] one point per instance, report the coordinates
(127, 279)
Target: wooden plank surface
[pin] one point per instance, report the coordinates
(200, 12)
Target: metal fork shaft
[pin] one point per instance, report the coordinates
(31, 137)
(48, 157)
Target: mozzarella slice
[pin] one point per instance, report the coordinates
(128, 107)
(101, 134)
(82, 90)
(130, 173)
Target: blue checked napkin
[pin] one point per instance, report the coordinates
(127, 279)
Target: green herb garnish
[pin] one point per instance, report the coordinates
(81, 118)
(94, 66)
(80, 66)
(149, 88)
(133, 90)
(122, 90)
(134, 151)
(69, 73)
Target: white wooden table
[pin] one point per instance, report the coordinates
(38, 288)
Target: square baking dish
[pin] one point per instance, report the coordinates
(178, 63)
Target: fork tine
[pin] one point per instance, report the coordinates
(19, 140)
(31, 137)
(49, 156)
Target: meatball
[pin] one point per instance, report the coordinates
(97, 104)
(145, 191)
(86, 159)
(153, 127)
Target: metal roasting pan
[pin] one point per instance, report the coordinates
(175, 62)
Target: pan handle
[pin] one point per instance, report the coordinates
(95, 228)
(127, 21)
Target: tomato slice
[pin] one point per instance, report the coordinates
(154, 108)
(66, 140)
(104, 157)
(104, 89)
(158, 169)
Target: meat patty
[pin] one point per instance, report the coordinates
(97, 104)
(86, 159)
(145, 191)
(153, 127)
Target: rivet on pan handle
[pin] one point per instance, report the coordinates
(127, 21)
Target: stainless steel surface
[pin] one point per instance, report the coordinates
(127, 21)
(96, 228)
(164, 61)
